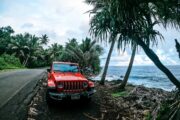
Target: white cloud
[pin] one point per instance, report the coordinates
(62, 18)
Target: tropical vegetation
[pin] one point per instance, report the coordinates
(27, 50)
(86, 54)
(128, 23)
(132, 23)
(9, 62)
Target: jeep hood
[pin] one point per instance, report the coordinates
(68, 76)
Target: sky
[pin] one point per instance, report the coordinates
(65, 19)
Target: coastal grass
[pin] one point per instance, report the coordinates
(120, 94)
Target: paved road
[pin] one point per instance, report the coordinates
(12, 82)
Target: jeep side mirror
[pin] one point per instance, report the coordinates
(48, 70)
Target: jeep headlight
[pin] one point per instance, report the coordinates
(85, 84)
(60, 85)
(51, 84)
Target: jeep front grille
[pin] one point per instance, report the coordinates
(72, 86)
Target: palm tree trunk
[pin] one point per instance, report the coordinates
(177, 47)
(25, 63)
(150, 53)
(124, 82)
(107, 62)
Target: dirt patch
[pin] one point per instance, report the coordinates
(136, 103)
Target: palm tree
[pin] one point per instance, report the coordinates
(5, 37)
(44, 39)
(34, 45)
(103, 77)
(19, 46)
(26, 47)
(55, 51)
(103, 25)
(87, 55)
(65, 55)
(124, 82)
(89, 45)
(136, 24)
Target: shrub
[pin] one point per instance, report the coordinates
(3, 64)
(9, 62)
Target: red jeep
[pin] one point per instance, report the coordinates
(65, 81)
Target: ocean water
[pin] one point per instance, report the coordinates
(149, 76)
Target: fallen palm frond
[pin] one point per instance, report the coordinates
(175, 108)
(169, 109)
(89, 116)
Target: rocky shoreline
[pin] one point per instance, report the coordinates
(138, 103)
(133, 103)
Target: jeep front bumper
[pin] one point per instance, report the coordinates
(73, 96)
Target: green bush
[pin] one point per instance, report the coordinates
(3, 64)
(9, 62)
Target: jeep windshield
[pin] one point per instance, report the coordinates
(65, 67)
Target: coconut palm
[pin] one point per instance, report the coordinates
(34, 45)
(124, 82)
(91, 52)
(148, 32)
(101, 24)
(44, 39)
(107, 63)
(87, 55)
(89, 45)
(19, 46)
(104, 25)
(136, 24)
(5, 37)
(65, 55)
(26, 47)
(55, 51)
(71, 42)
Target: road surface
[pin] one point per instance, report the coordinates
(15, 86)
(11, 82)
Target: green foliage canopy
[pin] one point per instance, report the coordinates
(29, 50)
